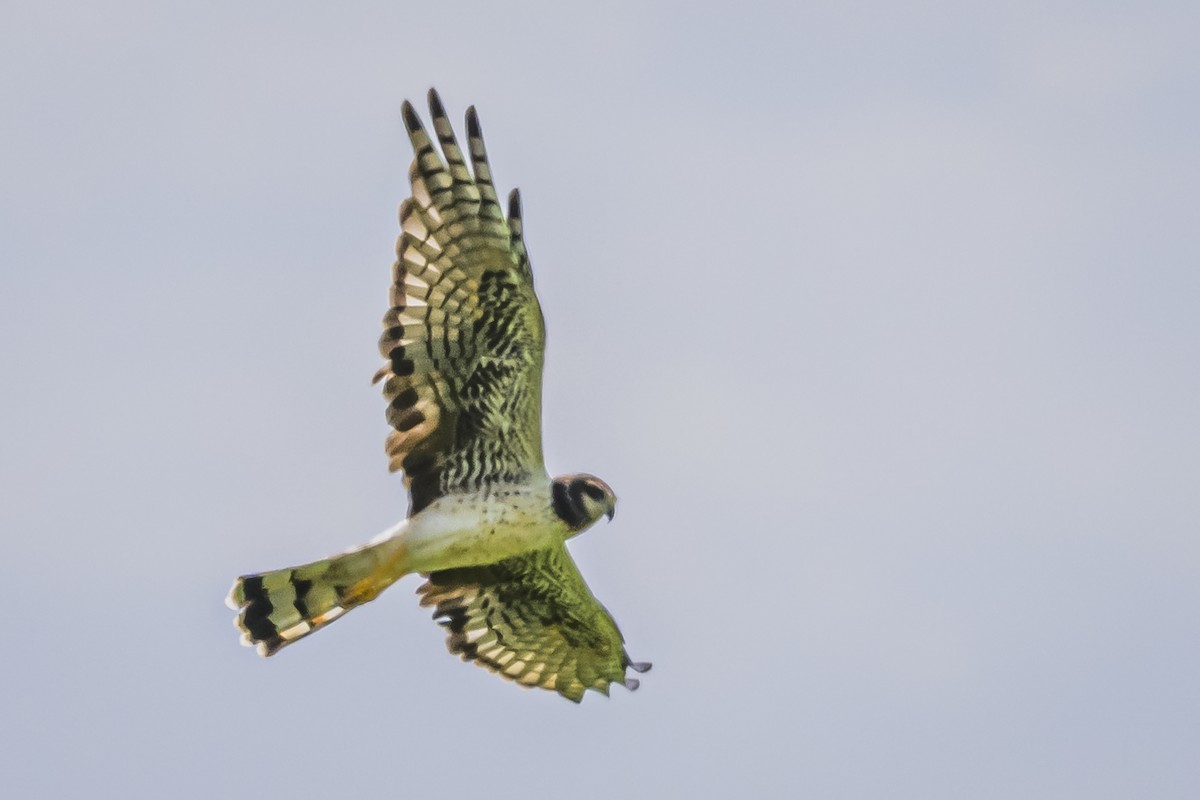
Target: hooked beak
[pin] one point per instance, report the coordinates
(611, 510)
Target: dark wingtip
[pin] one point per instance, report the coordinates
(514, 204)
(411, 120)
(435, 103)
(473, 129)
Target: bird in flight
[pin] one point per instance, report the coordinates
(463, 343)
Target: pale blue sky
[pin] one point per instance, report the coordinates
(882, 319)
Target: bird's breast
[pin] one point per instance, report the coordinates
(468, 530)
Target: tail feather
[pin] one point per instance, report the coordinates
(279, 607)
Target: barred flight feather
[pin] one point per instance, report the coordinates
(464, 336)
(531, 619)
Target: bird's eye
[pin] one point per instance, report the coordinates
(594, 492)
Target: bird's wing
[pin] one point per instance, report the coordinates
(464, 336)
(531, 619)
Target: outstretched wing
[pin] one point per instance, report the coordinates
(531, 619)
(464, 336)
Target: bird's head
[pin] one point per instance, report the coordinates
(581, 499)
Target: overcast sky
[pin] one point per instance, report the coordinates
(882, 319)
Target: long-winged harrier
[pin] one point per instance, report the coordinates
(486, 525)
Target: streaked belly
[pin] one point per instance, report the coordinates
(467, 531)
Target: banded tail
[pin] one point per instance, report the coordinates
(277, 608)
